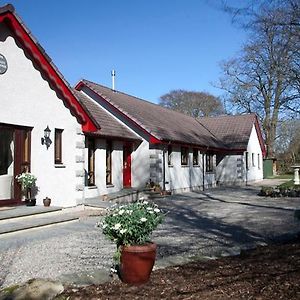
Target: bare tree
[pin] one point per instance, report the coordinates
(263, 79)
(195, 104)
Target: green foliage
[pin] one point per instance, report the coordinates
(289, 185)
(132, 224)
(27, 180)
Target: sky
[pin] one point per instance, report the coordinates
(154, 46)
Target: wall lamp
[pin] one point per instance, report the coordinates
(46, 139)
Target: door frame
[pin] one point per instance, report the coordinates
(22, 159)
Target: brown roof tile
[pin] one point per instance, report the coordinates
(110, 127)
(234, 131)
(162, 123)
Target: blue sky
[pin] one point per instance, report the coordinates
(154, 46)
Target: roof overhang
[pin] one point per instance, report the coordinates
(46, 67)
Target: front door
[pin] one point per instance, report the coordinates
(127, 150)
(14, 159)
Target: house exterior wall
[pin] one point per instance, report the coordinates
(255, 165)
(234, 170)
(231, 170)
(183, 178)
(29, 101)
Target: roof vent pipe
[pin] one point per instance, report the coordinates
(113, 74)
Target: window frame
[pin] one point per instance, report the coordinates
(209, 162)
(247, 160)
(109, 151)
(184, 156)
(195, 161)
(58, 159)
(169, 155)
(253, 159)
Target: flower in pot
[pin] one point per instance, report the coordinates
(27, 182)
(130, 227)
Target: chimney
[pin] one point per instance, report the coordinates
(113, 74)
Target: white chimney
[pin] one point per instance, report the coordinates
(113, 74)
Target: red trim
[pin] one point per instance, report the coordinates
(260, 138)
(152, 138)
(45, 66)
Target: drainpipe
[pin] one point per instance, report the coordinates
(203, 175)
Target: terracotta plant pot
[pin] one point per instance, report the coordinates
(47, 201)
(137, 263)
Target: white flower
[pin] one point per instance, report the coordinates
(104, 226)
(117, 226)
(149, 208)
(145, 202)
(129, 211)
(143, 219)
(121, 212)
(157, 210)
(142, 198)
(122, 231)
(151, 212)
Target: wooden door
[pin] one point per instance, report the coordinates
(15, 159)
(127, 150)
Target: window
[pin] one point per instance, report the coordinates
(169, 155)
(58, 146)
(209, 167)
(195, 157)
(91, 162)
(258, 161)
(108, 162)
(247, 160)
(184, 156)
(253, 159)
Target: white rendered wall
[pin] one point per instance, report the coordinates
(189, 177)
(231, 170)
(254, 172)
(27, 100)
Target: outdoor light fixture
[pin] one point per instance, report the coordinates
(46, 139)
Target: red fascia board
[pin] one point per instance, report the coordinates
(47, 69)
(152, 139)
(207, 148)
(260, 138)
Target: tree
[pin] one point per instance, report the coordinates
(263, 78)
(195, 104)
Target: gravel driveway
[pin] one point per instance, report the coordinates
(207, 223)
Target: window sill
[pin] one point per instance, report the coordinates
(184, 166)
(170, 166)
(196, 166)
(91, 187)
(210, 172)
(59, 166)
(109, 186)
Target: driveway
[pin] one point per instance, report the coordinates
(211, 223)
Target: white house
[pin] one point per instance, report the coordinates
(177, 151)
(101, 140)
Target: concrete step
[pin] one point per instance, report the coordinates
(25, 220)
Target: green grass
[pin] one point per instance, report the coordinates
(289, 185)
(282, 176)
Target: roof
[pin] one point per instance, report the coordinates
(161, 123)
(44, 63)
(110, 127)
(234, 131)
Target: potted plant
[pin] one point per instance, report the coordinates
(27, 181)
(130, 227)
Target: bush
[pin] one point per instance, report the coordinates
(132, 224)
